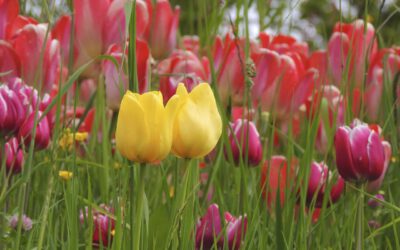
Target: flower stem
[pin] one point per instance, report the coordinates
(360, 219)
(137, 229)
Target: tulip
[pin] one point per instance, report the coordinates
(360, 154)
(283, 82)
(40, 58)
(26, 222)
(10, 65)
(12, 110)
(104, 226)
(209, 228)
(277, 174)
(163, 27)
(191, 43)
(8, 12)
(197, 124)
(245, 142)
(317, 184)
(42, 136)
(353, 45)
(144, 132)
(182, 67)
(116, 79)
(14, 156)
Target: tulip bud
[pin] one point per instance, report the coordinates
(360, 154)
(317, 184)
(245, 142)
(14, 156)
(197, 124)
(103, 230)
(26, 222)
(42, 136)
(235, 230)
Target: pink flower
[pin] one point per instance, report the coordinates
(116, 78)
(43, 134)
(353, 46)
(162, 31)
(245, 140)
(360, 154)
(319, 178)
(8, 12)
(14, 156)
(182, 67)
(209, 230)
(26, 222)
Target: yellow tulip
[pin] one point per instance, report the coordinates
(144, 131)
(197, 124)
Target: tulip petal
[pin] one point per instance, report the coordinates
(132, 134)
(376, 155)
(344, 158)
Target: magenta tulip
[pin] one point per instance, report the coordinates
(360, 154)
(14, 156)
(43, 133)
(245, 142)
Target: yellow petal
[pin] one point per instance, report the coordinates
(181, 90)
(132, 133)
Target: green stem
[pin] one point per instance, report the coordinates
(45, 211)
(360, 219)
(137, 229)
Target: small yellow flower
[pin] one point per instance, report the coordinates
(65, 175)
(113, 232)
(197, 124)
(394, 159)
(67, 140)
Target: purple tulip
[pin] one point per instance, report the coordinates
(245, 139)
(360, 154)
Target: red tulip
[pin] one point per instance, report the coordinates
(191, 43)
(319, 61)
(276, 174)
(8, 12)
(245, 140)
(209, 228)
(319, 178)
(282, 82)
(28, 44)
(360, 154)
(182, 67)
(116, 79)
(43, 133)
(163, 28)
(10, 65)
(353, 46)
(14, 156)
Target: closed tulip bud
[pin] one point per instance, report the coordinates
(360, 154)
(235, 230)
(197, 125)
(320, 177)
(42, 136)
(14, 156)
(245, 142)
(144, 127)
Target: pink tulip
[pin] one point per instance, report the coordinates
(8, 12)
(209, 229)
(182, 67)
(28, 44)
(374, 186)
(116, 78)
(103, 225)
(353, 46)
(317, 184)
(12, 111)
(163, 27)
(245, 140)
(14, 156)
(360, 154)
(282, 83)
(191, 43)
(43, 133)
(384, 65)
